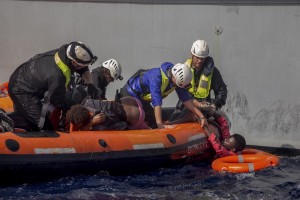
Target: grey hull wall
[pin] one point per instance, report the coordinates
(255, 46)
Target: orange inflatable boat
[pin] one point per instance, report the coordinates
(33, 154)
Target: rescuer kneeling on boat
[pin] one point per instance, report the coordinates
(151, 86)
(96, 114)
(47, 77)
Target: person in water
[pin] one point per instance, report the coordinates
(153, 85)
(227, 145)
(96, 114)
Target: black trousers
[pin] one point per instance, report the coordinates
(27, 111)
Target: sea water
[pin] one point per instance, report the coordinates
(193, 181)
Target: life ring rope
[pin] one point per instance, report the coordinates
(249, 161)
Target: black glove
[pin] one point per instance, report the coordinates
(93, 92)
(118, 96)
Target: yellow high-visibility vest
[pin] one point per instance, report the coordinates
(164, 84)
(64, 68)
(203, 88)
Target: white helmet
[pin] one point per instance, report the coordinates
(200, 49)
(182, 74)
(114, 68)
(80, 54)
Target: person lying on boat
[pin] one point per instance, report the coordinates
(153, 85)
(95, 114)
(6, 123)
(229, 144)
(206, 78)
(46, 77)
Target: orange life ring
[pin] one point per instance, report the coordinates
(250, 160)
(254, 151)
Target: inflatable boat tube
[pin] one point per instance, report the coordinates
(32, 154)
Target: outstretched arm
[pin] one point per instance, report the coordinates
(189, 105)
(158, 116)
(207, 130)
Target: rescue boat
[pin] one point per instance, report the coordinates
(33, 155)
(49, 153)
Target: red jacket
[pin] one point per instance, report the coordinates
(221, 151)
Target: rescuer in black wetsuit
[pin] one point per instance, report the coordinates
(47, 77)
(109, 71)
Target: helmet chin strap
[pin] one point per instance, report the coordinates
(95, 58)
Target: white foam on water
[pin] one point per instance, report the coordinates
(243, 176)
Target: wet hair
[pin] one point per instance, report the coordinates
(79, 116)
(240, 142)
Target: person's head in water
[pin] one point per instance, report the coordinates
(234, 143)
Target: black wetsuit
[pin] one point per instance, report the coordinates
(30, 81)
(100, 81)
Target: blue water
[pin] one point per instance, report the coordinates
(194, 181)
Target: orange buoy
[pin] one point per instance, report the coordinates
(250, 160)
